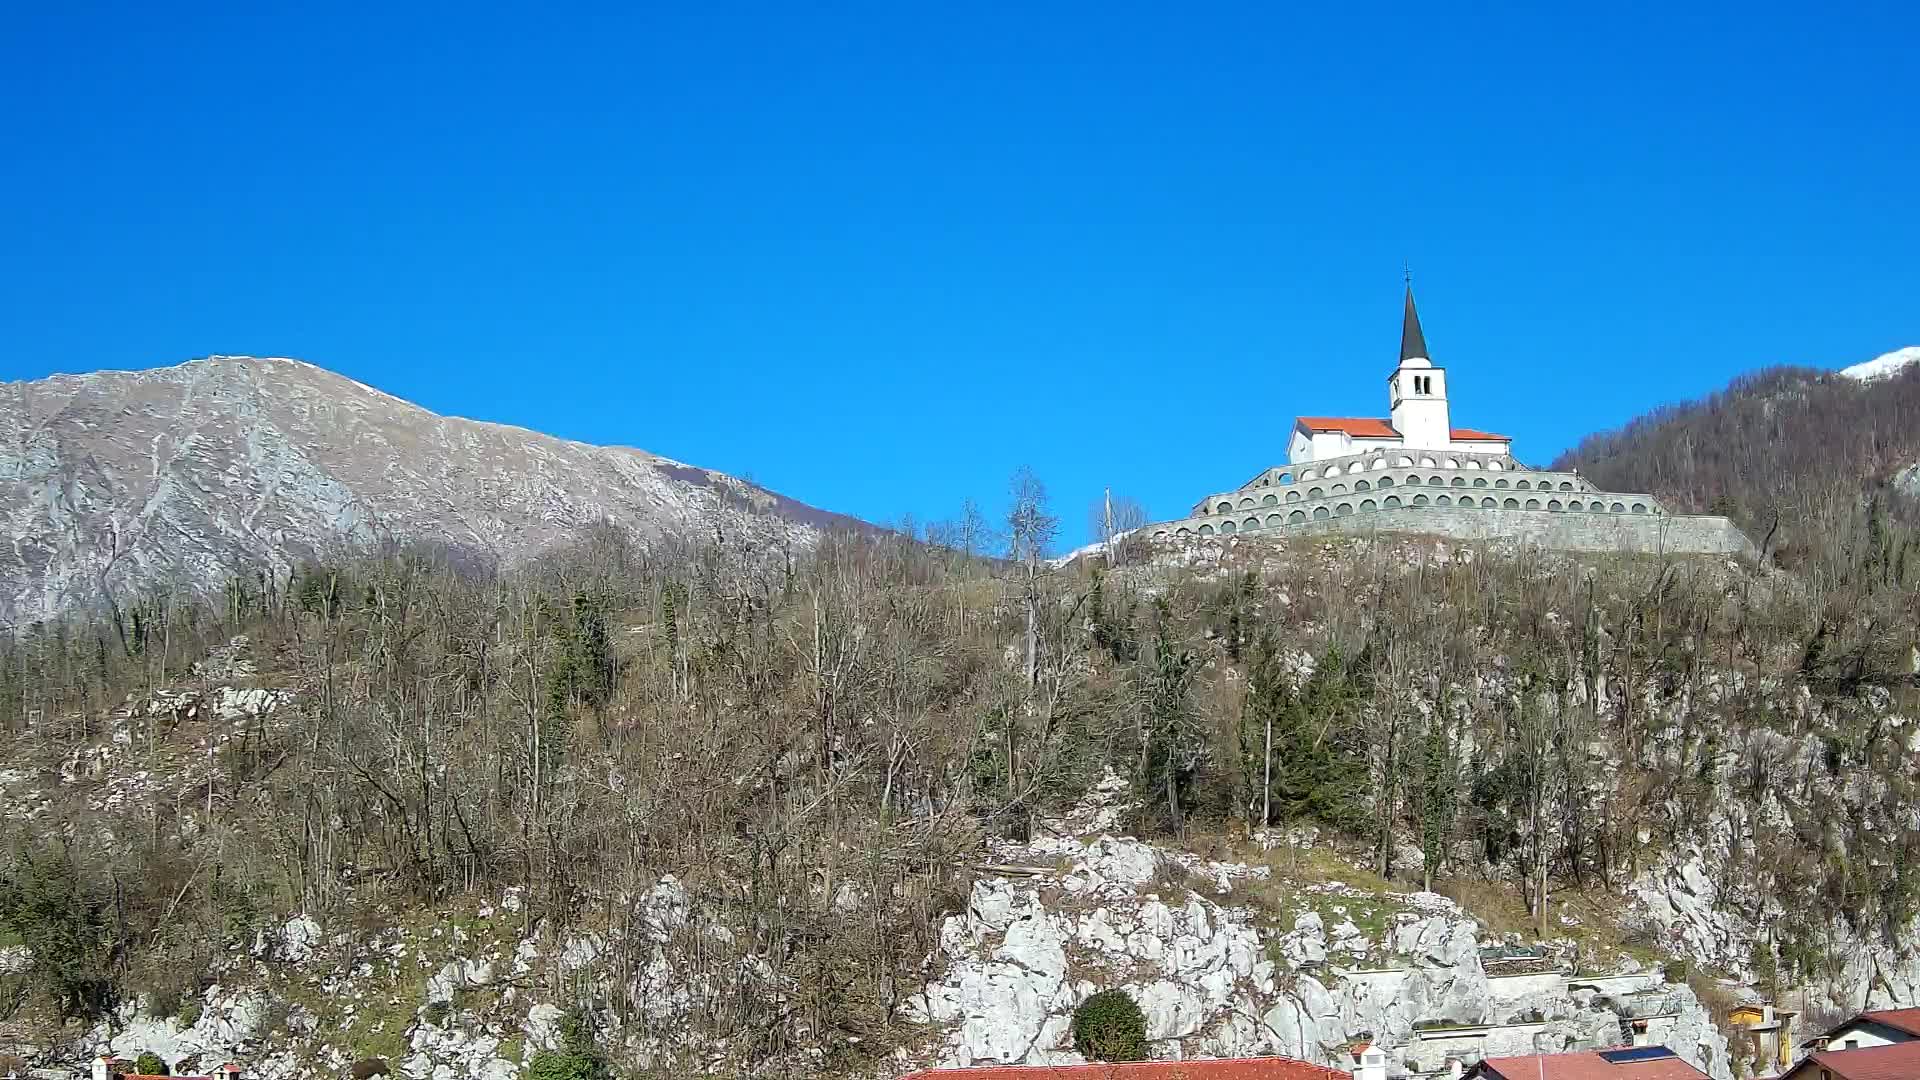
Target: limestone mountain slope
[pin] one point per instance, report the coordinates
(117, 483)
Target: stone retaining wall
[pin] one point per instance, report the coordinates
(1644, 534)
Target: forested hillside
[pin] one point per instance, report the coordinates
(815, 749)
(1815, 465)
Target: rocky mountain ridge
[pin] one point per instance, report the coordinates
(118, 484)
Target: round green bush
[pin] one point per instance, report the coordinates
(1109, 1026)
(149, 1064)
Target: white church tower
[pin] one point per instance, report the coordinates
(1418, 390)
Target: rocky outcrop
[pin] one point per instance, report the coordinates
(1215, 978)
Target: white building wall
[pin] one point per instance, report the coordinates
(1866, 1035)
(1422, 420)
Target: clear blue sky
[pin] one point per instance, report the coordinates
(876, 256)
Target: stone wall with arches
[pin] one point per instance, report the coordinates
(1380, 469)
(1642, 533)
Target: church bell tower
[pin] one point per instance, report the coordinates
(1417, 390)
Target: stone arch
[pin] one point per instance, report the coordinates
(1270, 500)
(1444, 500)
(1321, 513)
(1362, 485)
(1500, 483)
(1453, 463)
(1391, 502)
(1206, 530)
(1368, 505)
(1377, 464)
(1479, 481)
(1533, 504)
(1273, 520)
(1566, 485)
(1252, 523)
(1224, 506)
(1510, 504)
(1345, 509)
(1555, 504)
(1426, 462)
(1340, 489)
(1524, 485)
(1487, 501)
(1296, 517)
(1436, 481)
(1294, 495)
(1386, 482)
(1316, 493)
(1246, 502)
(1228, 528)
(1473, 463)
(1619, 508)
(1575, 504)
(1286, 478)
(1184, 534)
(1496, 465)
(1161, 535)
(1459, 481)
(1639, 508)
(1403, 461)
(1419, 500)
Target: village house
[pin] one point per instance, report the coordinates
(1880, 1027)
(1631, 1063)
(1882, 1061)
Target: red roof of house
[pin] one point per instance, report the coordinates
(1365, 427)
(1895, 1061)
(1589, 1065)
(1264, 1068)
(1907, 1020)
(1467, 434)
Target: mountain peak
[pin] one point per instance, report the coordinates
(220, 467)
(1885, 365)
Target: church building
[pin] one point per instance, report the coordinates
(1417, 418)
(1413, 471)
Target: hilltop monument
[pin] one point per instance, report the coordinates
(1413, 471)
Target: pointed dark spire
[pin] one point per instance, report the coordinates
(1412, 342)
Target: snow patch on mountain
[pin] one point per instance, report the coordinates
(1884, 366)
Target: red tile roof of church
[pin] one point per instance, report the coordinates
(1262, 1068)
(1467, 434)
(1366, 427)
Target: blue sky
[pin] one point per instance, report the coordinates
(877, 256)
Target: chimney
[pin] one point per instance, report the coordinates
(1369, 1062)
(103, 1067)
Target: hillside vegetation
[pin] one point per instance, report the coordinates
(814, 748)
(805, 756)
(1807, 461)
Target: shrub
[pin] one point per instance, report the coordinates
(367, 1068)
(149, 1064)
(580, 1060)
(1109, 1026)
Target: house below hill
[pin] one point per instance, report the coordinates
(1627, 1063)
